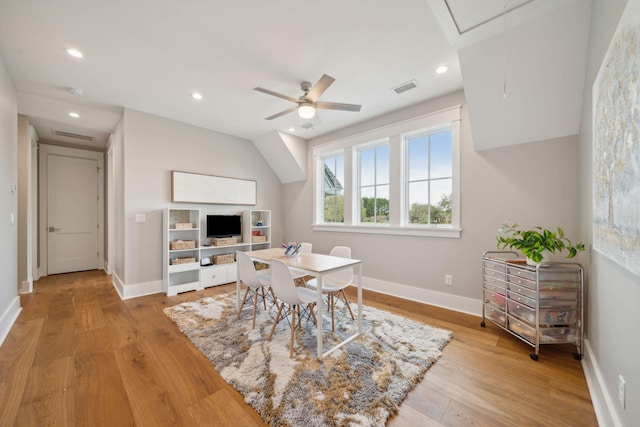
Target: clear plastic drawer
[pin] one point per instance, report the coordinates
(494, 298)
(548, 335)
(548, 316)
(495, 314)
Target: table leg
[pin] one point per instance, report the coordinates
(238, 287)
(319, 316)
(360, 299)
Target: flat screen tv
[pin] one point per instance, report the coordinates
(224, 225)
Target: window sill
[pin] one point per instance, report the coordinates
(449, 232)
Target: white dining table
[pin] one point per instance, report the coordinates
(316, 265)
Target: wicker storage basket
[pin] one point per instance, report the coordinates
(184, 260)
(177, 245)
(223, 258)
(258, 239)
(224, 241)
(183, 225)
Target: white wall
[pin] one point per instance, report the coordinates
(613, 316)
(533, 184)
(9, 300)
(153, 147)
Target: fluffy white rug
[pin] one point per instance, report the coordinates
(362, 383)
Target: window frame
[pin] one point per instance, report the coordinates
(394, 133)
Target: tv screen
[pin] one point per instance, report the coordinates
(224, 225)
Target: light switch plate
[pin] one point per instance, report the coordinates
(141, 218)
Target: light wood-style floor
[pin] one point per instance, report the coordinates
(79, 356)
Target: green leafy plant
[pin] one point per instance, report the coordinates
(532, 243)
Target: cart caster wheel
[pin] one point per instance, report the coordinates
(483, 324)
(534, 356)
(577, 356)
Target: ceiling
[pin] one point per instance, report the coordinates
(151, 55)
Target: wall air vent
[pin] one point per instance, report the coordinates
(405, 86)
(72, 135)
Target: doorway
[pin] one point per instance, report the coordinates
(71, 210)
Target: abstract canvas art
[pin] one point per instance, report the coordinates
(616, 145)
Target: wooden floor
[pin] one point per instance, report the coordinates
(79, 356)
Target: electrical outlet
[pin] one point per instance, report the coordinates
(622, 385)
(448, 279)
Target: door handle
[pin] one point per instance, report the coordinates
(52, 229)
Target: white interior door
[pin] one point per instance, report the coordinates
(72, 214)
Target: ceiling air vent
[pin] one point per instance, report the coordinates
(72, 135)
(405, 87)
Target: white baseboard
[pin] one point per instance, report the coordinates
(438, 299)
(8, 318)
(26, 286)
(603, 403)
(137, 289)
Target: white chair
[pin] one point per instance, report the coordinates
(256, 283)
(333, 284)
(291, 296)
(297, 274)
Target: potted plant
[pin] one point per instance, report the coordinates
(535, 242)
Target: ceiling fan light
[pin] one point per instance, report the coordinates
(306, 111)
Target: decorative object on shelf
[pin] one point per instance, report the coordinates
(259, 222)
(536, 242)
(291, 249)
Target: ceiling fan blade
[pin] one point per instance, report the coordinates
(282, 113)
(279, 95)
(338, 106)
(319, 88)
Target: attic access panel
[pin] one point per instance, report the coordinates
(470, 14)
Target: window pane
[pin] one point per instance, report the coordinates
(332, 188)
(418, 154)
(333, 208)
(441, 155)
(382, 164)
(367, 204)
(382, 204)
(418, 202)
(367, 170)
(441, 201)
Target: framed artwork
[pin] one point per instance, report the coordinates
(616, 145)
(197, 188)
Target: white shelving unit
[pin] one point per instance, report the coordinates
(260, 229)
(181, 276)
(191, 276)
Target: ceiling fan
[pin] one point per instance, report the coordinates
(307, 104)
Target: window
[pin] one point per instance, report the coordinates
(374, 184)
(401, 179)
(332, 188)
(429, 182)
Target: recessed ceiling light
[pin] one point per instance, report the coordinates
(442, 69)
(292, 129)
(196, 95)
(74, 115)
(75, 53)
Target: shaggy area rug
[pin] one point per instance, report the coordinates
(362, 383)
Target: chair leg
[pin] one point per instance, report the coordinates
(273, 328)
(255, 308)
(331, 307)
(264, 298)
(293, 328)
(310, 307)
(243, 301)
(346, 301)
